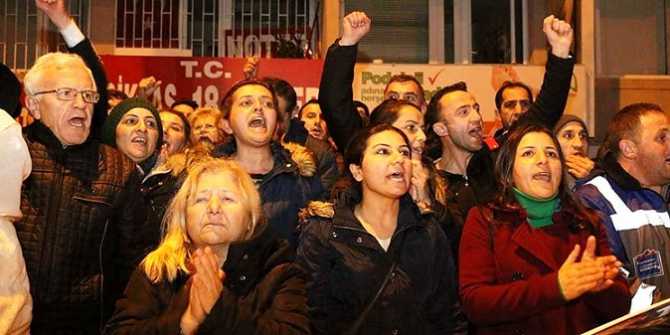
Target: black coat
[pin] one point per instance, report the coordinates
(345, 267)
(262, 294)
(77, 230)
(336, 99)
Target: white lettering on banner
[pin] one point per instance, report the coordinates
(208, 69)
(252, 45)
(188, 67)
(170, 94)
(209, 95)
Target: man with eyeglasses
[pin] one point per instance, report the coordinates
(77, 231)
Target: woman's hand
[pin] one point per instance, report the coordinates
(206, 287)
(419, 183)
(579, 166)
(590, 274)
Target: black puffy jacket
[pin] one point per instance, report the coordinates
(262, 294)
(77, 230)
(345, 267)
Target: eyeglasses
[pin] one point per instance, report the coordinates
(69, 94)
(509, 104)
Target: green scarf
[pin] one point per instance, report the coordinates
(539, 211)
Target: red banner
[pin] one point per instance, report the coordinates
(206, 79)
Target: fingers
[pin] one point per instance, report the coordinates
(590, 249)
(581, 161)
(547, 23)
(572, 257)
(554, 24)
(559, 35)
(209, 268)
(357, 19)
(561, 27)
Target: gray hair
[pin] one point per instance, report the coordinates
(53, 60)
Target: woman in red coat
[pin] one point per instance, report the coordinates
(534, 260)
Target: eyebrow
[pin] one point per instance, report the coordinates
(534, 147)
(253, 96)
(210, 190)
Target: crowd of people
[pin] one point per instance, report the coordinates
(258, 216)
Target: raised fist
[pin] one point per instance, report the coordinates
(55, 10)
(559, 35)
(354, 27)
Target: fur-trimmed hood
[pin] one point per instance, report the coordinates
(321, 209)
(289, 155)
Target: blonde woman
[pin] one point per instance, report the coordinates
(217, 269)
(205, 127)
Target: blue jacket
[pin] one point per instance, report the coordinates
(627, 238)
(287, 188)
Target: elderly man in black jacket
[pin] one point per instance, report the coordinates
(77, 232)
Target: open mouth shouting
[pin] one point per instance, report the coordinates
(139, 139)
(78, 121)
(544, 176)
(258, 122)
(397, 175)
(317, 132)
(476, 133)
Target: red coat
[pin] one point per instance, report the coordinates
(510, 285)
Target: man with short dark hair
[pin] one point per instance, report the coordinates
(455, 128)
(512, 99)
(625, 192)
(405, 87)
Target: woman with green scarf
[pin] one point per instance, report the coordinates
(535, 260)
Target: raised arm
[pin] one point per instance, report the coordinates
(336, 96)
(78, 43)
(549, 106)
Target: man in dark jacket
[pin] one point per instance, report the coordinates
(625, 189)
(454, 124)
(77, 231)
(336, 95)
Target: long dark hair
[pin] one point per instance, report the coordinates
(348, 189)
(504, 172)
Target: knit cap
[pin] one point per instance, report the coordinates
(117, 113)
(567, 118)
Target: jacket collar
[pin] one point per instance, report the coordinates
(613, 169)
(282, 158)
(408, 216)
(87, 151)
(265, 246)
(522, 234)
